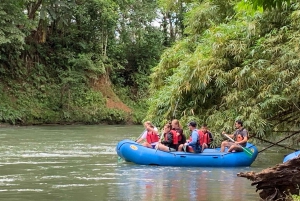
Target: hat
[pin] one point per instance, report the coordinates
(192, 123)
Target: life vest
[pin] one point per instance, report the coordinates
(175, 137)
(180, 137)
(152, 137)
(203, 137)
(239, 137)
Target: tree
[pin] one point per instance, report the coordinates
(137, 47)
(269, 4)
(242, 68)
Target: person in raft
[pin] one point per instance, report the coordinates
(179, 132)
(205, 136)
(150, 135)
(240, 137)
(193, 145)
(170, 140)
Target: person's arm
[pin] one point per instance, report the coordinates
(179, 132)
(154, 130)
(169, 139)
(183, 138)
(194, 138)
(210, 136)
(144, 136)
(230, 135)
(243, 141)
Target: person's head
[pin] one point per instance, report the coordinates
(192, 125)
(175, 123)
(238, 124)
(167, 128)
(148, 124)
(204, 128)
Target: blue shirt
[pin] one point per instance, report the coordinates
(194, 143)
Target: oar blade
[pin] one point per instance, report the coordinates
(248, 152)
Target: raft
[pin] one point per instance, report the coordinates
(133, 152)
(291, 156)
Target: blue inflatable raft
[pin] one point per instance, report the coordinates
(131, 151)
(291, 156)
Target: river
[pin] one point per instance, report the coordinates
(79, 163)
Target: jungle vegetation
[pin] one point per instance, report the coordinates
(236, 60)
(112, 61)
(66, 61)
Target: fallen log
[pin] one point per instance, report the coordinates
(278, 182)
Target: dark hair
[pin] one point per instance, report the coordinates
(239, 122)
(193, 124)
(204, 125)
(168, 125)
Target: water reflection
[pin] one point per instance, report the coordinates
(181, 183)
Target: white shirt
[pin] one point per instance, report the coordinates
(144, 136)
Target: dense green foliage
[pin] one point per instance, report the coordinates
(64, 61)
(269, 4)
(234, 63)
(296, 197)
(55, 55)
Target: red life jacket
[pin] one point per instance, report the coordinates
(152, 137)
(175, 137)
(203, 137)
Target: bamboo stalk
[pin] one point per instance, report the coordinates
(279, 145)
(297, 132)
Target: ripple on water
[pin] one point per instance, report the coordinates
(71, 185)
(54, 155)
(32, 190)
(53, 177)
(95, 178)
(31, 162)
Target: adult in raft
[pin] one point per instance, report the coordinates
(179, 132)
(240, 137)
(150, 135)
(170, 140)
(193, 145)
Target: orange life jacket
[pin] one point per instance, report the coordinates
(239, 137)
(203, 137)
(152, 137)
(175, 137)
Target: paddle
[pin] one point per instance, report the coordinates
(140, 135)
(247, 151)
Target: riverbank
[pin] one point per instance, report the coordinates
(95, 103)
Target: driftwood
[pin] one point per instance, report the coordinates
(278, 182)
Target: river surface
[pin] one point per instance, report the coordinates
(79, 163)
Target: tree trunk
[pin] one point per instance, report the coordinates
(278, 182)
(32, 8)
